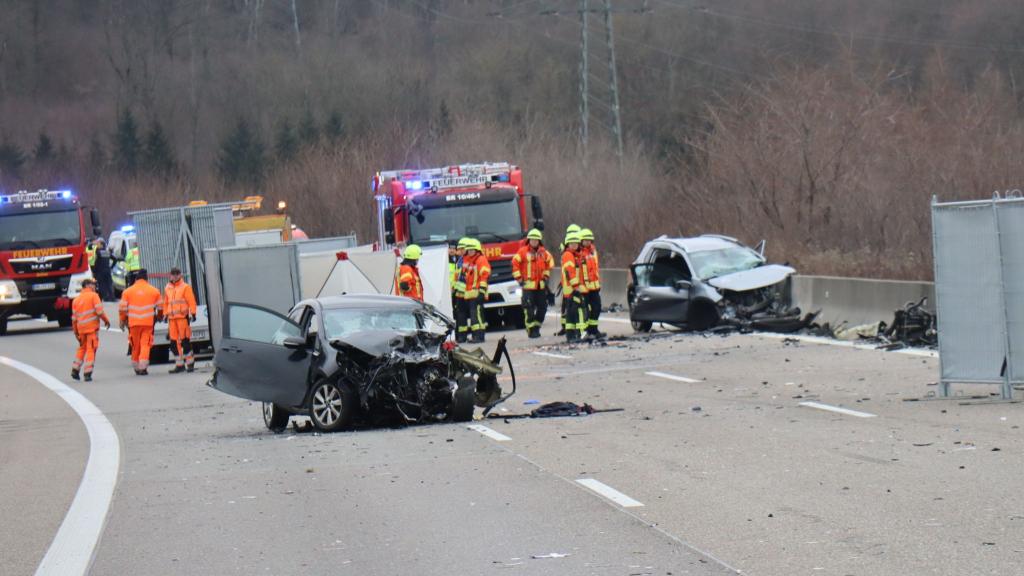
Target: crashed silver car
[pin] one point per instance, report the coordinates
(702, 282)
(343, 360)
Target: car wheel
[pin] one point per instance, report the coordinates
(464, 400)
(638, 325)
(64, 319)
(275, 417)
(331, 407)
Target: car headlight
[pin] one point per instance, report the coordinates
(9, 293)
(75, 285)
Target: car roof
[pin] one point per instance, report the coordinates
(700, 243)
(357, 301)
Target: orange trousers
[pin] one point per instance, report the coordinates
(180, 332)
(85, 358)
(141, 339)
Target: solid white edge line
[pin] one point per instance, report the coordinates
(550, 355)
(72, 549)
(845, 344)
(492, 434)
(668, 376)
(609, 493)
(837, 409)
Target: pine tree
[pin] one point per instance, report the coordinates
(334, 128)
(287, 145)
(444, 120)
(242, 156)
(97, 156)
(12, 159)
(309, 133)
(43, 152)
(158, 157)
(127, 146)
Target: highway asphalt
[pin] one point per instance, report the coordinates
(713, 466)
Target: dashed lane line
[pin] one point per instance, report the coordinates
(551, 355)
(838, 410)
(609, 493)
(492, 434)
(668, 376)
(72, 549)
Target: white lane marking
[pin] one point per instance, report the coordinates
(492, 434)
(550, 355)
(602, 319)
(837, 409)
(672, 377)
(845, 344)
(609, 493)
(71, 552)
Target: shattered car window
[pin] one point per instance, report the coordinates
(341, 322)
(713, 263)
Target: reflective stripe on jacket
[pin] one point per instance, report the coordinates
(409, 276)
(179, 300)
(532, 268)
(131, 261)
(476, 270)
(570, 273)
(591, 268)
(86, 312)
(140, 304)
(90, 251)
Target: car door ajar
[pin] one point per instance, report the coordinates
(658, 298)
(252, 361)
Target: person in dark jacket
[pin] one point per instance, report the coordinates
(101, 271)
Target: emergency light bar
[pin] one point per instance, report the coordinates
(24, 197)
(449, 176)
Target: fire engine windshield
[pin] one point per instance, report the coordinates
(488, 221)
(39, 230)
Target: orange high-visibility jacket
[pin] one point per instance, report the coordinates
(140, 304)
(570, 273)
(86, 312)
(409, 276)
(591, 268)
(179, 300)
(477, 271)
(532, 267)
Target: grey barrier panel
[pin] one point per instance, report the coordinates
(215, 295)
(978, 275)
(335, 244)
(266, 276)
(1011, 236)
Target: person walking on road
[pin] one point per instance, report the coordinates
(408, 282)
(139, 311)
(572, 288)
(179, 309)
(477, 271)
(531, 268)
(590, 268)
(86, 315)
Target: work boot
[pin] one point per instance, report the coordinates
(572, 336)
(478, 336)
(74, 373)
(460, 337)
(88, 377)
(560, 332)
(595, 334)
(190, 368)
(533, 332)
(176, 370)
(142, 372)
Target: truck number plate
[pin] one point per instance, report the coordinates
(200, 335)
(44, 286)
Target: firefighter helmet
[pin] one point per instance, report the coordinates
(534, 235)
(586, 234)
(412, 252)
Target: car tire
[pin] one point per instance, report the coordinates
(464, 400)
(275, 417)
(638, 325)
(3, 326)
(331, 406)
(63, 319)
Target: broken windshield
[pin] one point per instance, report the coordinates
(714, 263)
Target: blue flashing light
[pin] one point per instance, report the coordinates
(416, 185)
(65, 194)
(127, 228)
(503, 178)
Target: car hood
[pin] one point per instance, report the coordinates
(381, 342)
(752, 279)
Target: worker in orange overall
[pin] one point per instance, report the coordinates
(139, 311)
(573, 289)
(408, 282)
(86, 315)
(531, 268)
(179, 309)
(477, 270)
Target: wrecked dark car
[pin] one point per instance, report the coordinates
(707, 281)
(343, 360)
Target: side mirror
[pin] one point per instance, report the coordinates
(294, 342)
(682, 285)
(389, 227)
(97, 225)
(538, 212)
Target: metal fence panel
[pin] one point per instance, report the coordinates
(968, 291)
(1011, 236)
(334, 244)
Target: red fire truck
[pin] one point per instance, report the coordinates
(484, 201)
(43, 237)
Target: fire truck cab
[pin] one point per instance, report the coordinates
(485, 201)
(43, 236)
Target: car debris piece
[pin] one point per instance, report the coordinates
(551, 555)
(706, 281)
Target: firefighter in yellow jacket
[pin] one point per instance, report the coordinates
(590, 268)
(179, 308)
(531, 268)
(572, 288)
(408, 282)
(477, 271)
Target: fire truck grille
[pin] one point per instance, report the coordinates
(501, 271)
(35, 267)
